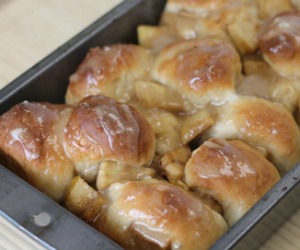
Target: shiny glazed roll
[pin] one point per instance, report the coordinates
(232, 173)
(102, 129)
(111, 71)
(262, 124)
(280, 43)
(202, 70)
(236, 22)
(31, 144)
(48, 143)
(152, 214)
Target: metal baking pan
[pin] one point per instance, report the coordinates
(22, 205)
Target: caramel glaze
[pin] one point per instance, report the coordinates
(280, 43)
(236, 22)
(231, 172)
(153, 214)
(203, 70)
(110, 71)
(263, 124)
(48, 143)
(32, 139)
(102, 129)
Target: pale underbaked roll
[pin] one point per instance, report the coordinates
(280, 43)
(152, 214)
(31, 142)
(48, 143)
(263, 124)
(102, 129)
(109, 71)
(231, 172)
(202, 70)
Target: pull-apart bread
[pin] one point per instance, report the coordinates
(32, 145)
(49, 143)
(109, 71)
(262, 124)
(233, 173)
(280, 43)
(202, 70)
(167, 143)
(236, 22)
(152, 214)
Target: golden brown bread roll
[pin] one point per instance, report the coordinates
(31, 142)
(263, 124)
(236, 22)
(202, 70)
(152, 214)
(279, 43)
(47, 142)
(109, 71)
(102, 129)
(231, 172)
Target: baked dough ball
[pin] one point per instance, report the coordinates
(279, 43)
(231, 172)
(102, 129)
(152, 214)
(109, 71)
(232, 21)
(47, 143)
(31, 144)
(262, 124)
(202, 70)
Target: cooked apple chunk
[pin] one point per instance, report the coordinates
(83, 200)
(193, 125)
(154, 95)
(111, 172)
(154, 37)
(173, 162)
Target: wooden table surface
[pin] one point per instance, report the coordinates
(31, 29)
